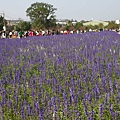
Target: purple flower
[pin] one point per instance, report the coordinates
(111, 86)
(118, 97)
(101, 110)
(91, 115)
(71, 95)
(85, 109)
(41, 115)
(111, 109)
(53, 104)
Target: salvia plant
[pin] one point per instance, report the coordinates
(61, 77)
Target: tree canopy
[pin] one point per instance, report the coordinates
(112, 25)
(41, 14)
(1, 23)
(24, 26)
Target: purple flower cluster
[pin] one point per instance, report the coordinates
(60, 77)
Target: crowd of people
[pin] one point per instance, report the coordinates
(25, 34)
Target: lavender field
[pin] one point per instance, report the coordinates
(61, 77)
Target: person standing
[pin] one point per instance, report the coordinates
(10, 34)
(26, 34)
(20, 34)
(3, 35)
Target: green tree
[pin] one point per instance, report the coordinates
(10, 28)
(41, 14)
(24, 26)
(17, 28)
(96, 27)
(1, 23)
(69, 23)
(66, 27)
(112, 25)
(101, 26)
(88, 27)
(78, 25)
(50, 23)
(58, 26)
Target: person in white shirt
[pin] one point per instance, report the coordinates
(3, 35)
(10, 34)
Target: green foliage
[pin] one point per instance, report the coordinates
(112, 25)
(101, 26)
(17, 28)
(78, 25)
(24, 26)
(1, 23)
(42, 14)
(10, 28)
